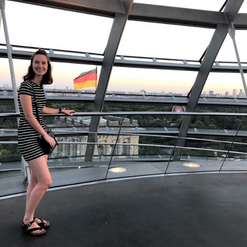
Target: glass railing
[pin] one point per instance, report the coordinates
(129, 144)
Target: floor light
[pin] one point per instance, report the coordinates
(191, 165)
(117, 169)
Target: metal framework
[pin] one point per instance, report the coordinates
(218, 38)
(65, 56)
(124, 10)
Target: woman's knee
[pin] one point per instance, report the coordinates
(45, 183)
(49, 182)
(40, 172)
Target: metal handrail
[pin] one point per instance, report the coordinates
(133, 113)
(124, 132)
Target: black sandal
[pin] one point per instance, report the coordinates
(43, 224)
(30, 231)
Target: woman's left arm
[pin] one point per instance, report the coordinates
(47, 110)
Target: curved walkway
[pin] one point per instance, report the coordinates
(175, 211)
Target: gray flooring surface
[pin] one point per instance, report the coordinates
(206, 210)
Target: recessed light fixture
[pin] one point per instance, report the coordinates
(117, 169)
(191, 165)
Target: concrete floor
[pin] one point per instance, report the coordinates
(202, 210)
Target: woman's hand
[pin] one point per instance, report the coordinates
(47, 110)
(68, 112)
(50, 140)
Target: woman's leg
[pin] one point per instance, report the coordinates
(39, 183)
(32, 183)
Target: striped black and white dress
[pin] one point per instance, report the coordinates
(27, 135)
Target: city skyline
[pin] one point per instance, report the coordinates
(239, 93)
(129, 79)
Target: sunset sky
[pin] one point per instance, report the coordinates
(36, 26)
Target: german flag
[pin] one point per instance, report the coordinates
(86, 79)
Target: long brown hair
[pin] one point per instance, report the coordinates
(47, 77)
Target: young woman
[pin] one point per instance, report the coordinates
(39, 73)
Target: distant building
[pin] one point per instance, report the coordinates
(107, 146)
(241, 94)
(211, 93)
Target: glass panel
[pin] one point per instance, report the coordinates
(205, 152)
(135, 107)
(20, 69)
(9, 123)
(7, 107)
(191, 4)
(10, 167)
(78, 107)
(9, 153)
(241, 36)
(224, 85)
(200, 155)
(137, 164)
(65, 73)
(226, 109)
(236, 158)
(164, 41)
(243, 8)
(67, 30)
(5, 78)
(227, 51)
(143, 148)
(139, 143)
(67, 164)
(163, 82)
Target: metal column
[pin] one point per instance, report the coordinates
(108, 62)
(216, 42)
(24, 165)
(11, 67)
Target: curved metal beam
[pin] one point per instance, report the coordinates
(143, 12)
(106, 8)
(121, 61)
(9, 55)
(174, 15)
(216, 42)
(108, 61)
